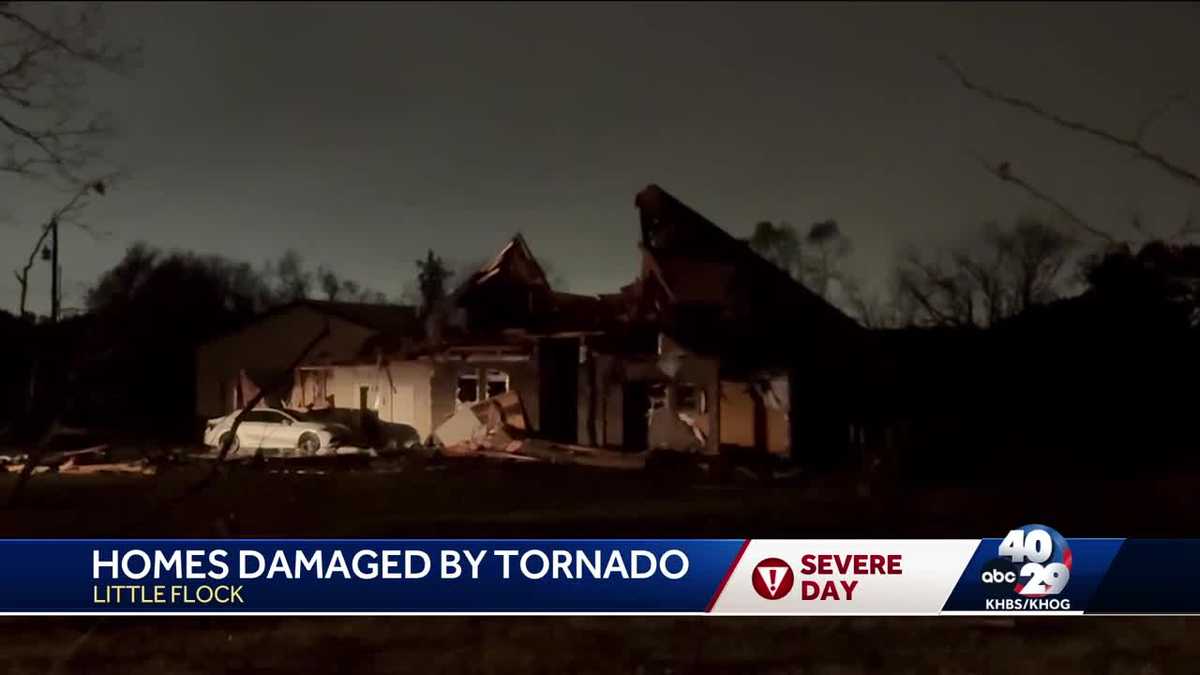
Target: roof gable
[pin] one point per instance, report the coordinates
(515, 264)
(697, 260)
(722, 293)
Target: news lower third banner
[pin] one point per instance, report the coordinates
(1032, 569)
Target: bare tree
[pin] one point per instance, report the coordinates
(779, 244)
(336, 288)
(825, 249)
(814, 260)
(1030, 257)
(46, 52)
(872, 309)
(1009, 272)
(937, 293)
(292, 280)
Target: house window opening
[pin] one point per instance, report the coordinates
(690, 398)
(497, 382)
(315, 389)
(468, 387)
(657, 393)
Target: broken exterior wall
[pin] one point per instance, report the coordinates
(724, 299)
(690, 371)
(601, 401)
(397, 393)
(748, 421)
(270, 343)
(522, 378)
(672, 394)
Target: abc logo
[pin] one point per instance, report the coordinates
(999, 571)
(998, 577)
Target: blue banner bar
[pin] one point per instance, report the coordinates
(351, 576)
(1151, 576)
(1032, 570)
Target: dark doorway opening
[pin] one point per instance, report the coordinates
(558, 398)
(635, 409)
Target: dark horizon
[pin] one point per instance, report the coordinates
(548, 120)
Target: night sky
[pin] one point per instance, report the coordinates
(362, 135)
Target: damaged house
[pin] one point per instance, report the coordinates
(710, 348)
(725, 345)
(231, 369)
(502, 330)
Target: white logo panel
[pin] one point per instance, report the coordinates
(849, 576)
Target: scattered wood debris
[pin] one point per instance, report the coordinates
(141, 467)
(85, 461)
(496, 424)
(496, 428)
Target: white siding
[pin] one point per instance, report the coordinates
(404, 398)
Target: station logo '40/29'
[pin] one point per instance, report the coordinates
(1034, 560)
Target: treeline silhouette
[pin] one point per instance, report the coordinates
(127, 364)
(1100, 382)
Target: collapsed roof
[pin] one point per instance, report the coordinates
(512, 292)
(714, 294)
(705, 288)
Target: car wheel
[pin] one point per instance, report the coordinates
(309, 444)
(233, 447)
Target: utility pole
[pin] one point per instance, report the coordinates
(54, 270)
(50, 229)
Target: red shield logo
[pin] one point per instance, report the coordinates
(772, 578)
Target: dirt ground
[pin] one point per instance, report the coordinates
(466, 498)
(462, 499)
(1096, 646)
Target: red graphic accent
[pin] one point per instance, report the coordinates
(728, 573)
(772, 578)
(1067, 558)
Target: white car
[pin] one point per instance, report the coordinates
(270, 428)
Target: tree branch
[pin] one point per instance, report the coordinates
(106, 58)
(43, 68)
(38, 139)
(1003, 171)
(1132, 144)
(72, 205)
(1157, 114)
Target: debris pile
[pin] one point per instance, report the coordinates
(93, 460)
(497, 424)
(497, 428)
(82, 464)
